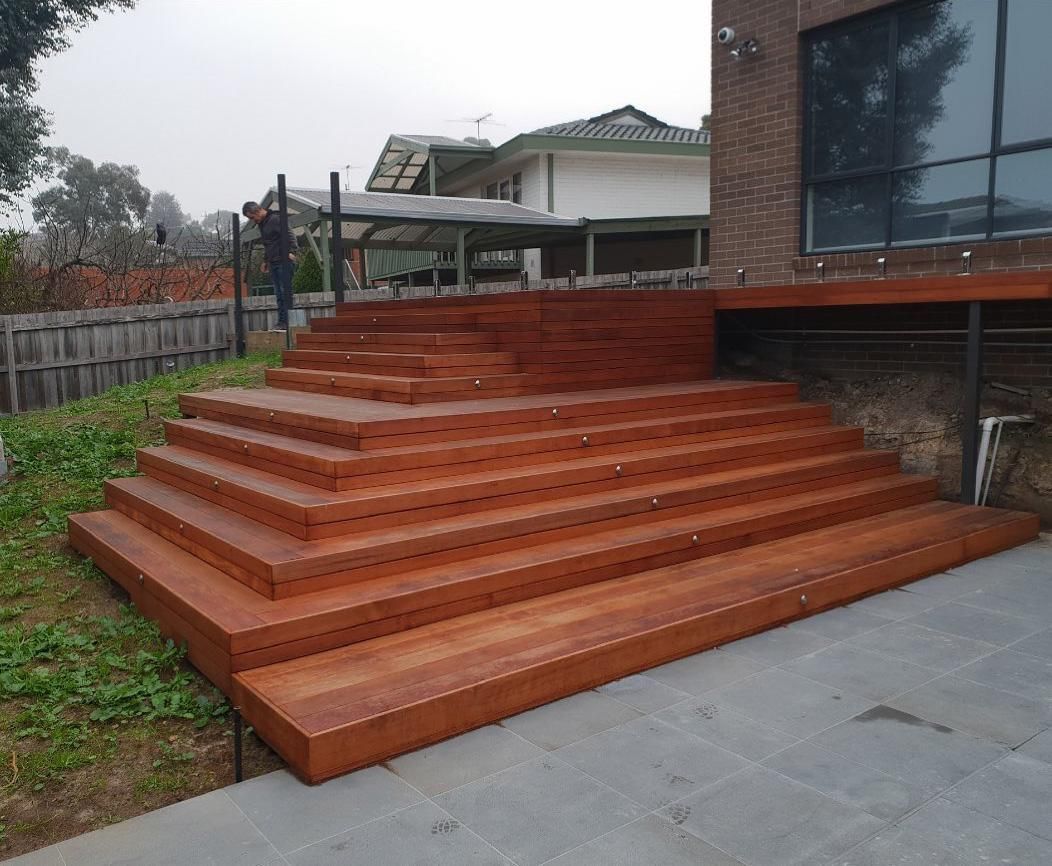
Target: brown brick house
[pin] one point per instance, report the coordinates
(913, 132)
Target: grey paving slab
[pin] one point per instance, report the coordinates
(894, 604)
(422, 835)
(1039, 747)
(1024, 583)
(1039, 645)
(788, 702)
(1016, 790)
(1010, 671)
(643, 692)
(945, 587)
(860, 671)
(926, 647)
(915, 750)
(942, 833)
(563, 722)
(726, 728)
(463, 759)
(708, 670)
(539, 810)
(43, 857)
(292, 814)
(972, 622)
(777, 645)
(840, 623)
(1019, 604)
(647, 842)
(765, 819)
(207, 829)
(976, 709)
(651, 762)
(883, 796)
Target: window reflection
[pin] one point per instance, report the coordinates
(936, 204)
(1023, 201)
(944, 85)
(849, 100)
(847, 214)
(1028, 79)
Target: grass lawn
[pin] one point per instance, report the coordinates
(100, 717)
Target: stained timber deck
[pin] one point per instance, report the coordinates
(443, 512)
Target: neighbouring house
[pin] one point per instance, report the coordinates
(867, 139)
(642, 185)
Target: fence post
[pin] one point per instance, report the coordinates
(12, 371)
(236, 311)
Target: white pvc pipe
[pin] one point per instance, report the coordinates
(981, 469)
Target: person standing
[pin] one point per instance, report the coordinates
(280, 267)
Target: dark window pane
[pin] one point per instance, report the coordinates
(516, 188)
(941, 203)
(1027, 101)
(849, 99)
(944, 86)
(847, 214)
(505, 191)
(491, 191)
(1023, 200)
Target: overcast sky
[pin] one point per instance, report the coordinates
(211, 98)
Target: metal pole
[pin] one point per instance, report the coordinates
(337, 235)
(283, 216)
(238, 774)
(973, 383)
(239, 319)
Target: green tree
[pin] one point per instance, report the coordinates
(308, 274)
(165, 208)
(91, 198)
(31, 30)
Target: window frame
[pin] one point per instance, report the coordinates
(889, 170)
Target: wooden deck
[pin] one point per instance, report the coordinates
(369, 566)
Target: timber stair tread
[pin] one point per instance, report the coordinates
(354, 705)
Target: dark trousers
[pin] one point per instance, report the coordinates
(281, 279)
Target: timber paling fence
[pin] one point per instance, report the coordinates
(49, 359)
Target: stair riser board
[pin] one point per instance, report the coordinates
(339, 750)
(332, 520)
(377, 343)
(377, 361)
(476, 370)
(296, 461)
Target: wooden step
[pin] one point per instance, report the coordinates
(368, 424)
(334, 468)
(404, 364)
(279, 565)
(307, 512)
(245, 629)
(345, 708)
(395, 342)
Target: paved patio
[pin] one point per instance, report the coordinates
(912, 727)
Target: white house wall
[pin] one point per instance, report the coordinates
(604, 185)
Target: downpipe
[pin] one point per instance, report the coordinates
(982, 491)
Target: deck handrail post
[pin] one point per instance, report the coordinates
(973, 383)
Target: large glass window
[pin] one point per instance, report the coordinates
(909, 125)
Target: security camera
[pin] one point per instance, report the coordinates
(725, 35)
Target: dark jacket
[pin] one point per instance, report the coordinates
(270, 234)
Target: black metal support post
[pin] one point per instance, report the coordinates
(238, 774)
(337, 235)
(715, 344)
(239, 319)
(283, 216)
(973, 383)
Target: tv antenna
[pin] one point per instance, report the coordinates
(347, 175)
(478, 121)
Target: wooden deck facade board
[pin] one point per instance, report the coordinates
(376, 552)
